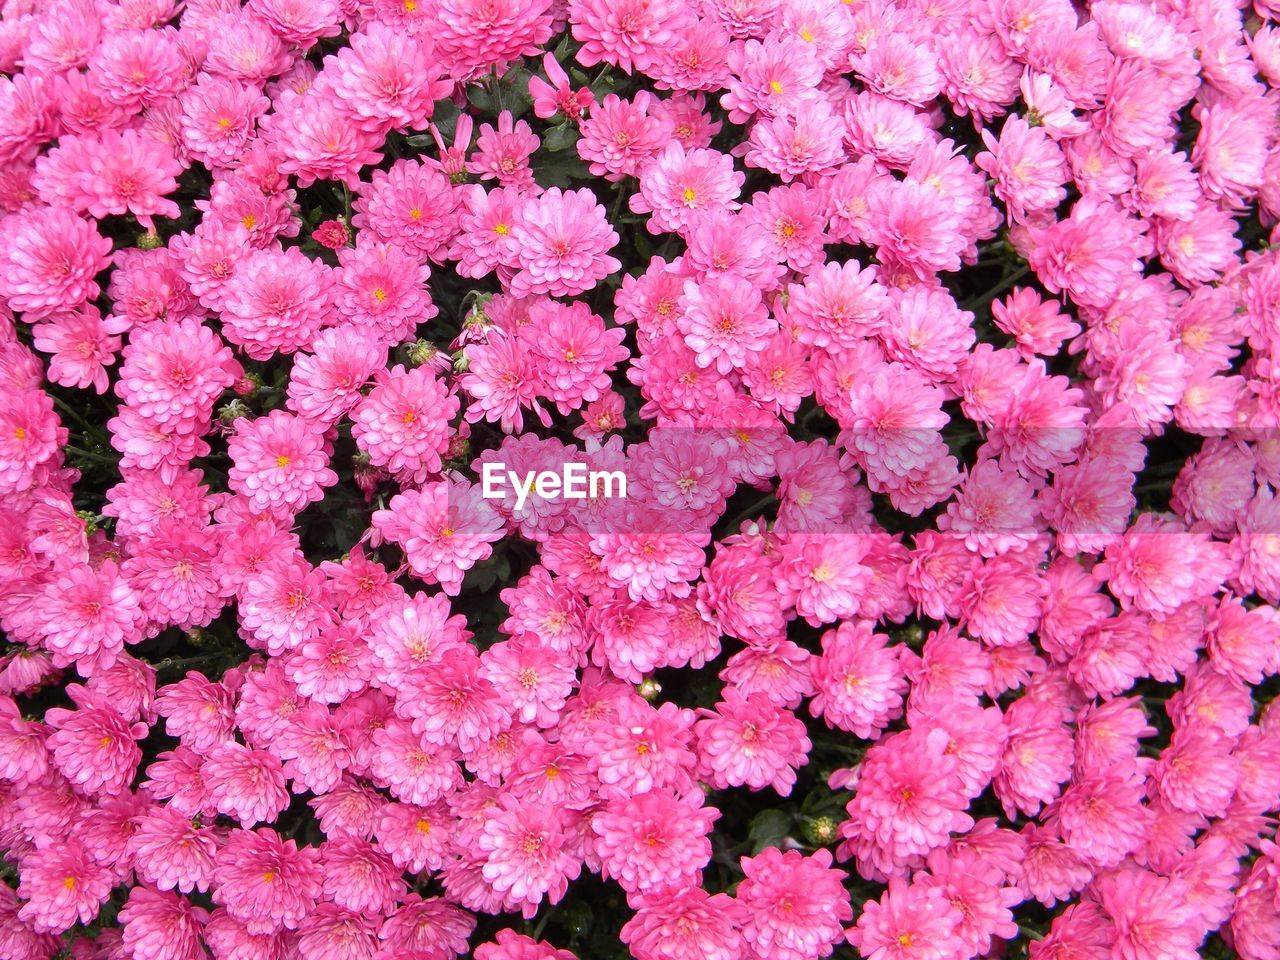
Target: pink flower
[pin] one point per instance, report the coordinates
(529, 678)
(723, 321)
(83, 346)
(359, 877)
(679, 183)
(89, 615)
(558, 96)
(386, 78)
(523, 845)
(412, 206)
(859, 679)
(279, 462)
(162, 926)
(445, 529)
(654, 842)
(276, 302)
(245, 784)
(909, 800)
(503, 153)
(509, 945)
(172, 853)
(686, 925)
(264, 882)
(48, 261)
(93, 746)
(626, 34)
(403, 423)
(793, 905)
(908, 922)
(750, 741)
(561, 244)
(61, 885)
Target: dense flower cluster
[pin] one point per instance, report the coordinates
(938, 343)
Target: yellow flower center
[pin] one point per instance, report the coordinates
(282, 461)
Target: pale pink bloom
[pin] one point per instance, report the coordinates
(908, 922)
(525, 856)
(503, 153)
(794, 906)
(561, 243)
(680, 182)
(403, 422)
(627, 34)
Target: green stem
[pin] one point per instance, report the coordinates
(90, 455)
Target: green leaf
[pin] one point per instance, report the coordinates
(561, 137)
(768, 829)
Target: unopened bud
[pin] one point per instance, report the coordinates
(820, 830)
(650, 689)
(149, 240)
(422, 351)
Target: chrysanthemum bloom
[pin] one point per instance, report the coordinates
(83, 345)
(139, 68)
(89, 615)
(332, 667)
(908, 922)
(642, 748)
(408, 635)
(530, 678)
(561, 242)
(445, 529)
(412, 206)
(621, 135)
(994, 511)
(162, 926)
(749, 740)
(61, 885)
(433, 927)
(509, 945)
(679, 183)
(503, 153)
(654, 842)
(1102, 818)
(626, 35)
(279, 462)
(687, 925)
(359, 877)
(382, 288)
(412, 769)
(455, 704)
(284, 605)
(93, 746)
(1158, 565)
(48, 260)
(723, 320)
(416, 838)
(218, 119)
(738, 590)
(277, 301)
(317, 141)
(558, 96)
(1152, 915)
(910, 798)
(403, 422)
(331, 931)
(472, 35)
(264, 882)
(523, 844)
(174, 372)
(169, 851)
(17, 939)
(30, 438)
(246, 784)
(385, 78)
(793, 906)
(859, 679)
(327, 382)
